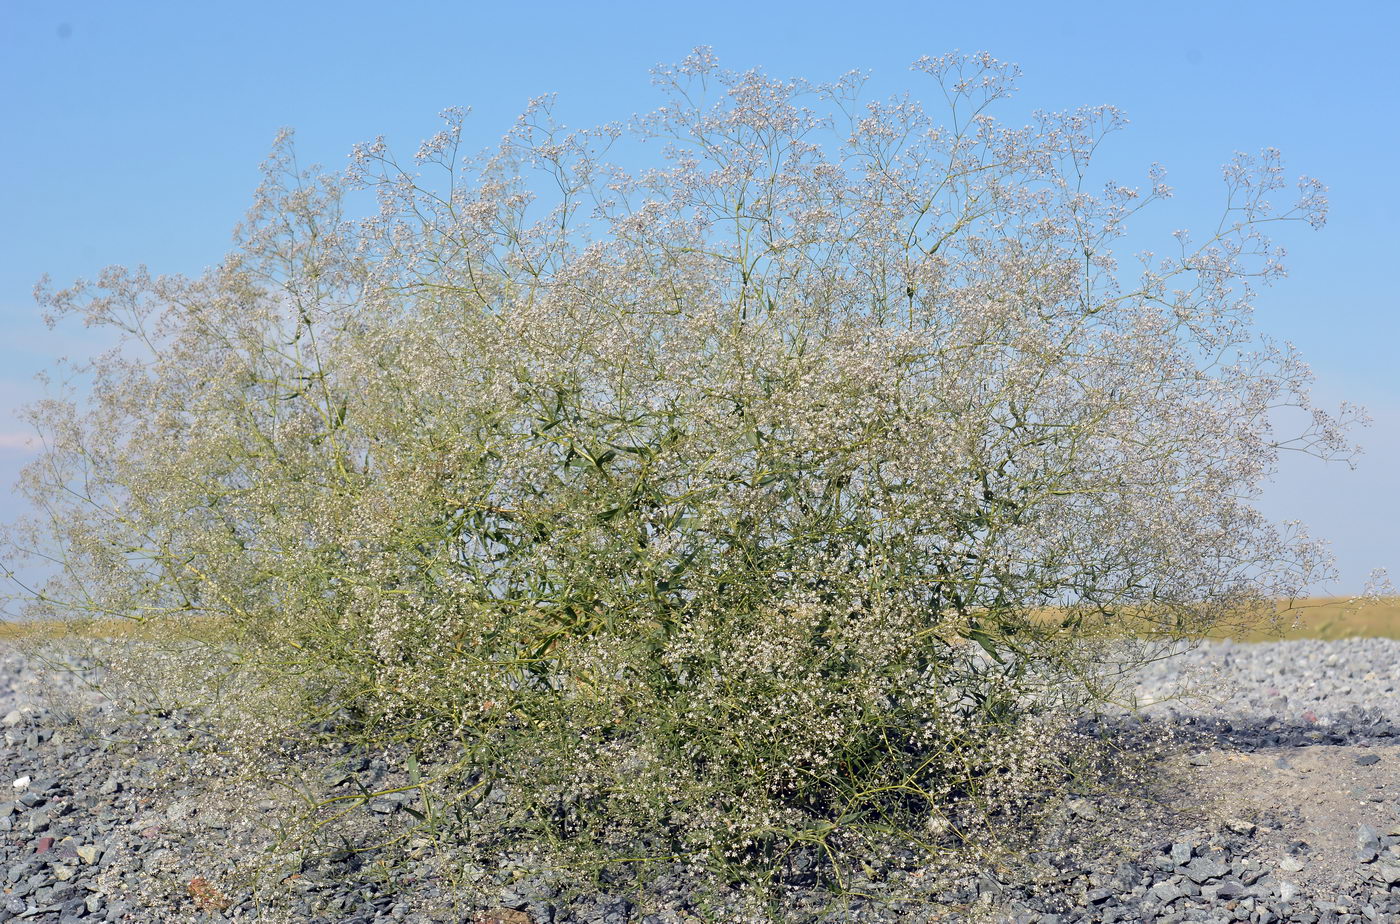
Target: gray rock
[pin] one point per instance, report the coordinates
(1367, 760)
(1166, 892)
(38, 820)
(1203, 869)
(181, 810)
(383, 805)
(1223, 891)
(1387, 873)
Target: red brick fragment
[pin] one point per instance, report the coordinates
(501, 916)
(206, 896)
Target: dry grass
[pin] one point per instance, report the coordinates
(1330, 618)
(38, 631)
(1313, 617)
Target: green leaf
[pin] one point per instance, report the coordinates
(646, 452)
(984, 638)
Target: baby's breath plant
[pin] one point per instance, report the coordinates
(778, 499)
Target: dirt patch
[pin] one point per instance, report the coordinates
(1312, 803)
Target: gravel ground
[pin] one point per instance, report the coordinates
(1277, 802)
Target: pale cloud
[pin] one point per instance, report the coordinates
(23, 442)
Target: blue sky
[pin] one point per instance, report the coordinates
(132, 133)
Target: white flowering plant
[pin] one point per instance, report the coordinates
(781, 496)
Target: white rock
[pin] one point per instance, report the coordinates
(13, 718)
(21, 784)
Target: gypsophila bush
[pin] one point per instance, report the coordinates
(781, 497)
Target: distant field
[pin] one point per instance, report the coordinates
(1333, 618)
(14, 630)
(1317, 617)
